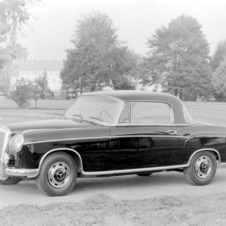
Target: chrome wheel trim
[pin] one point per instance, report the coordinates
(59, 174)
(203, 167)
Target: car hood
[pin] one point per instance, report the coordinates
(48, 124)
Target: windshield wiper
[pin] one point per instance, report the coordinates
(97, 119)
(81, 117)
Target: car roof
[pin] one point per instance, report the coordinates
(133, 95)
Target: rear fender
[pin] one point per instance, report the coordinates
(214, 151)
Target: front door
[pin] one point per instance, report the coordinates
(145, 138)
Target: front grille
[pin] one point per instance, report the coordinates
(2, 139)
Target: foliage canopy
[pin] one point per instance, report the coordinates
(98, 59)
(22, 94)
(13, 15)
(218, 55)
(178, 59)
(219, 80)
(41, 84)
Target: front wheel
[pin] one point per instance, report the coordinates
(10, 181)
(58, 175)
(202, 168)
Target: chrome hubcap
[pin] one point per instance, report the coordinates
(203, 167)
(59, 174)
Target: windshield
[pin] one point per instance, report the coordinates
(94, 108)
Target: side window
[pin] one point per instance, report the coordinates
(126, 114)
(151, 113)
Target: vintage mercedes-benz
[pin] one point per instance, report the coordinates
(111, 133)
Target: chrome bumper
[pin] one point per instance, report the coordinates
(13, 172)
(29, 173)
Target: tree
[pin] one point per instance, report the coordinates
(178, 59)
(13, 15)
(42, 83)
(218, 55)
(36, 94)
(25, 91)
(98, 59)
(219, 80)
(121, 68)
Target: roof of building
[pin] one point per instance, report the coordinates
(40, 65)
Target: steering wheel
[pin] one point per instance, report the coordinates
(105, 116)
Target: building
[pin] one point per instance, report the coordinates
(32, 69)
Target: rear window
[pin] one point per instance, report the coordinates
(150, 113)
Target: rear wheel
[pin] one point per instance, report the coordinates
(58, 174)
(202, 168)
(10, 181)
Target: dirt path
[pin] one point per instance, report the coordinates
(163, 198)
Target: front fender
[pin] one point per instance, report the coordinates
(53, 135)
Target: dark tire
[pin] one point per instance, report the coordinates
(202, 168)
(144, 174)
(58, 175)
(10, 181)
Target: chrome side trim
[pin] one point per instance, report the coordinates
(31, 130)
(130, 171)
(31, 173)
(83, 138)
(105, 137)
(168, 125)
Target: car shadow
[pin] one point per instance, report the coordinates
(163, 180)
(120, 182)
(168, 180)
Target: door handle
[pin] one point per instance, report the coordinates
(172, 132)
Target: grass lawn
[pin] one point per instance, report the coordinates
(47, 109)
(212, 112)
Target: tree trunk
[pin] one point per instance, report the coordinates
(180, 95)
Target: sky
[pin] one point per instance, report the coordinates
(50, 31)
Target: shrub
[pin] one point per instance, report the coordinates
(22, 95)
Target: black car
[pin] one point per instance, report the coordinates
(111, 133)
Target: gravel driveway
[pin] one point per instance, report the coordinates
(163, 198)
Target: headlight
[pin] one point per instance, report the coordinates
(16, 144)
